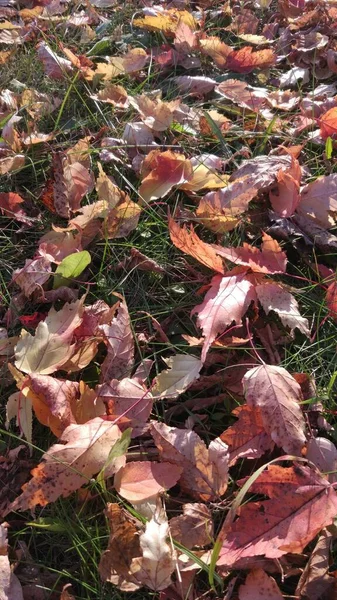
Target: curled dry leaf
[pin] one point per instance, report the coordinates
(260, 586)
(189, 242)
(123, 547)
(82, 452)
(194, 528)
(323, 453)
(205, 471)
(51, 347)
(301, 503)
(163, 171)
(182, 371)
(277, 394)
(141, 481)
(247, 438)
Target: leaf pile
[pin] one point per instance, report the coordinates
(200, 104)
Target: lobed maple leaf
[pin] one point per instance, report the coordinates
(270, 259)
(277, 394)
(247, 438)
(51, 346)
(301, 503)
(189, 242)
(205, 471)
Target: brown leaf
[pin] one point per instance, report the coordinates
(260, 586)
(120, 346)
(315, 579)
(194, 528)
(205, 471)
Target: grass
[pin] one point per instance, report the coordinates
(65, 540)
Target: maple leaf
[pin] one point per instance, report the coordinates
(277, 394)
(194, 528)
(276, 298)
(219, 211)
(301, 502)
(216, 49)
(52, 399)
(166, 21)
(33, 275)
(328, 123)
(10, 207)
(127, 397)
(260, 586)
(10, 586)
(72, 181)
(156, 114)
(205, 471)
(120, 345)
(140, 481)
(123, 546)
(226, 302)
(247, 438)
(163, 171)
(82, 452)
(51, 347)
(270, 259)
(246, 59)
(189, 242)
(319, 201)
(286, 196)
(182, 372)
(315, 581)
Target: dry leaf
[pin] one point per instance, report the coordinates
(247, 438)
(277, 394)
(182, 371)
(82, 452)
(140, 481)
(205, 471)
(260, 586)
(194, 528)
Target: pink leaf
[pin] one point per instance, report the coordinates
(139, 481)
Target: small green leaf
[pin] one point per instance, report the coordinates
(71, 267)
(100, 47)
(118, 449)
(328, 148)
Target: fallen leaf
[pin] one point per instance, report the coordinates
(247, 438)
(20, 408)
(156, 114)
(9, 206)
(315, 580)
(270, 259)
(205, 471)
(286, 196)
(45, 352)
(246, 59)
(319, 201)
(260, 586)
(163, 171)
(188, 241)
(10, 586)
(33, 275)
(56, 67)
(301, 503)
(273, 296)
(140, 481)
(194, 528)
(127, 397)
(120, 345)
(226, 301)
(183, 370)
(328, 123)
(323, 453)
(123, 547)
(166, 21)
(277, 394)
(67, 466)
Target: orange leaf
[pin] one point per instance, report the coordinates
(188, 241)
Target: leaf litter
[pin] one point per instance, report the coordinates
(208, 118)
